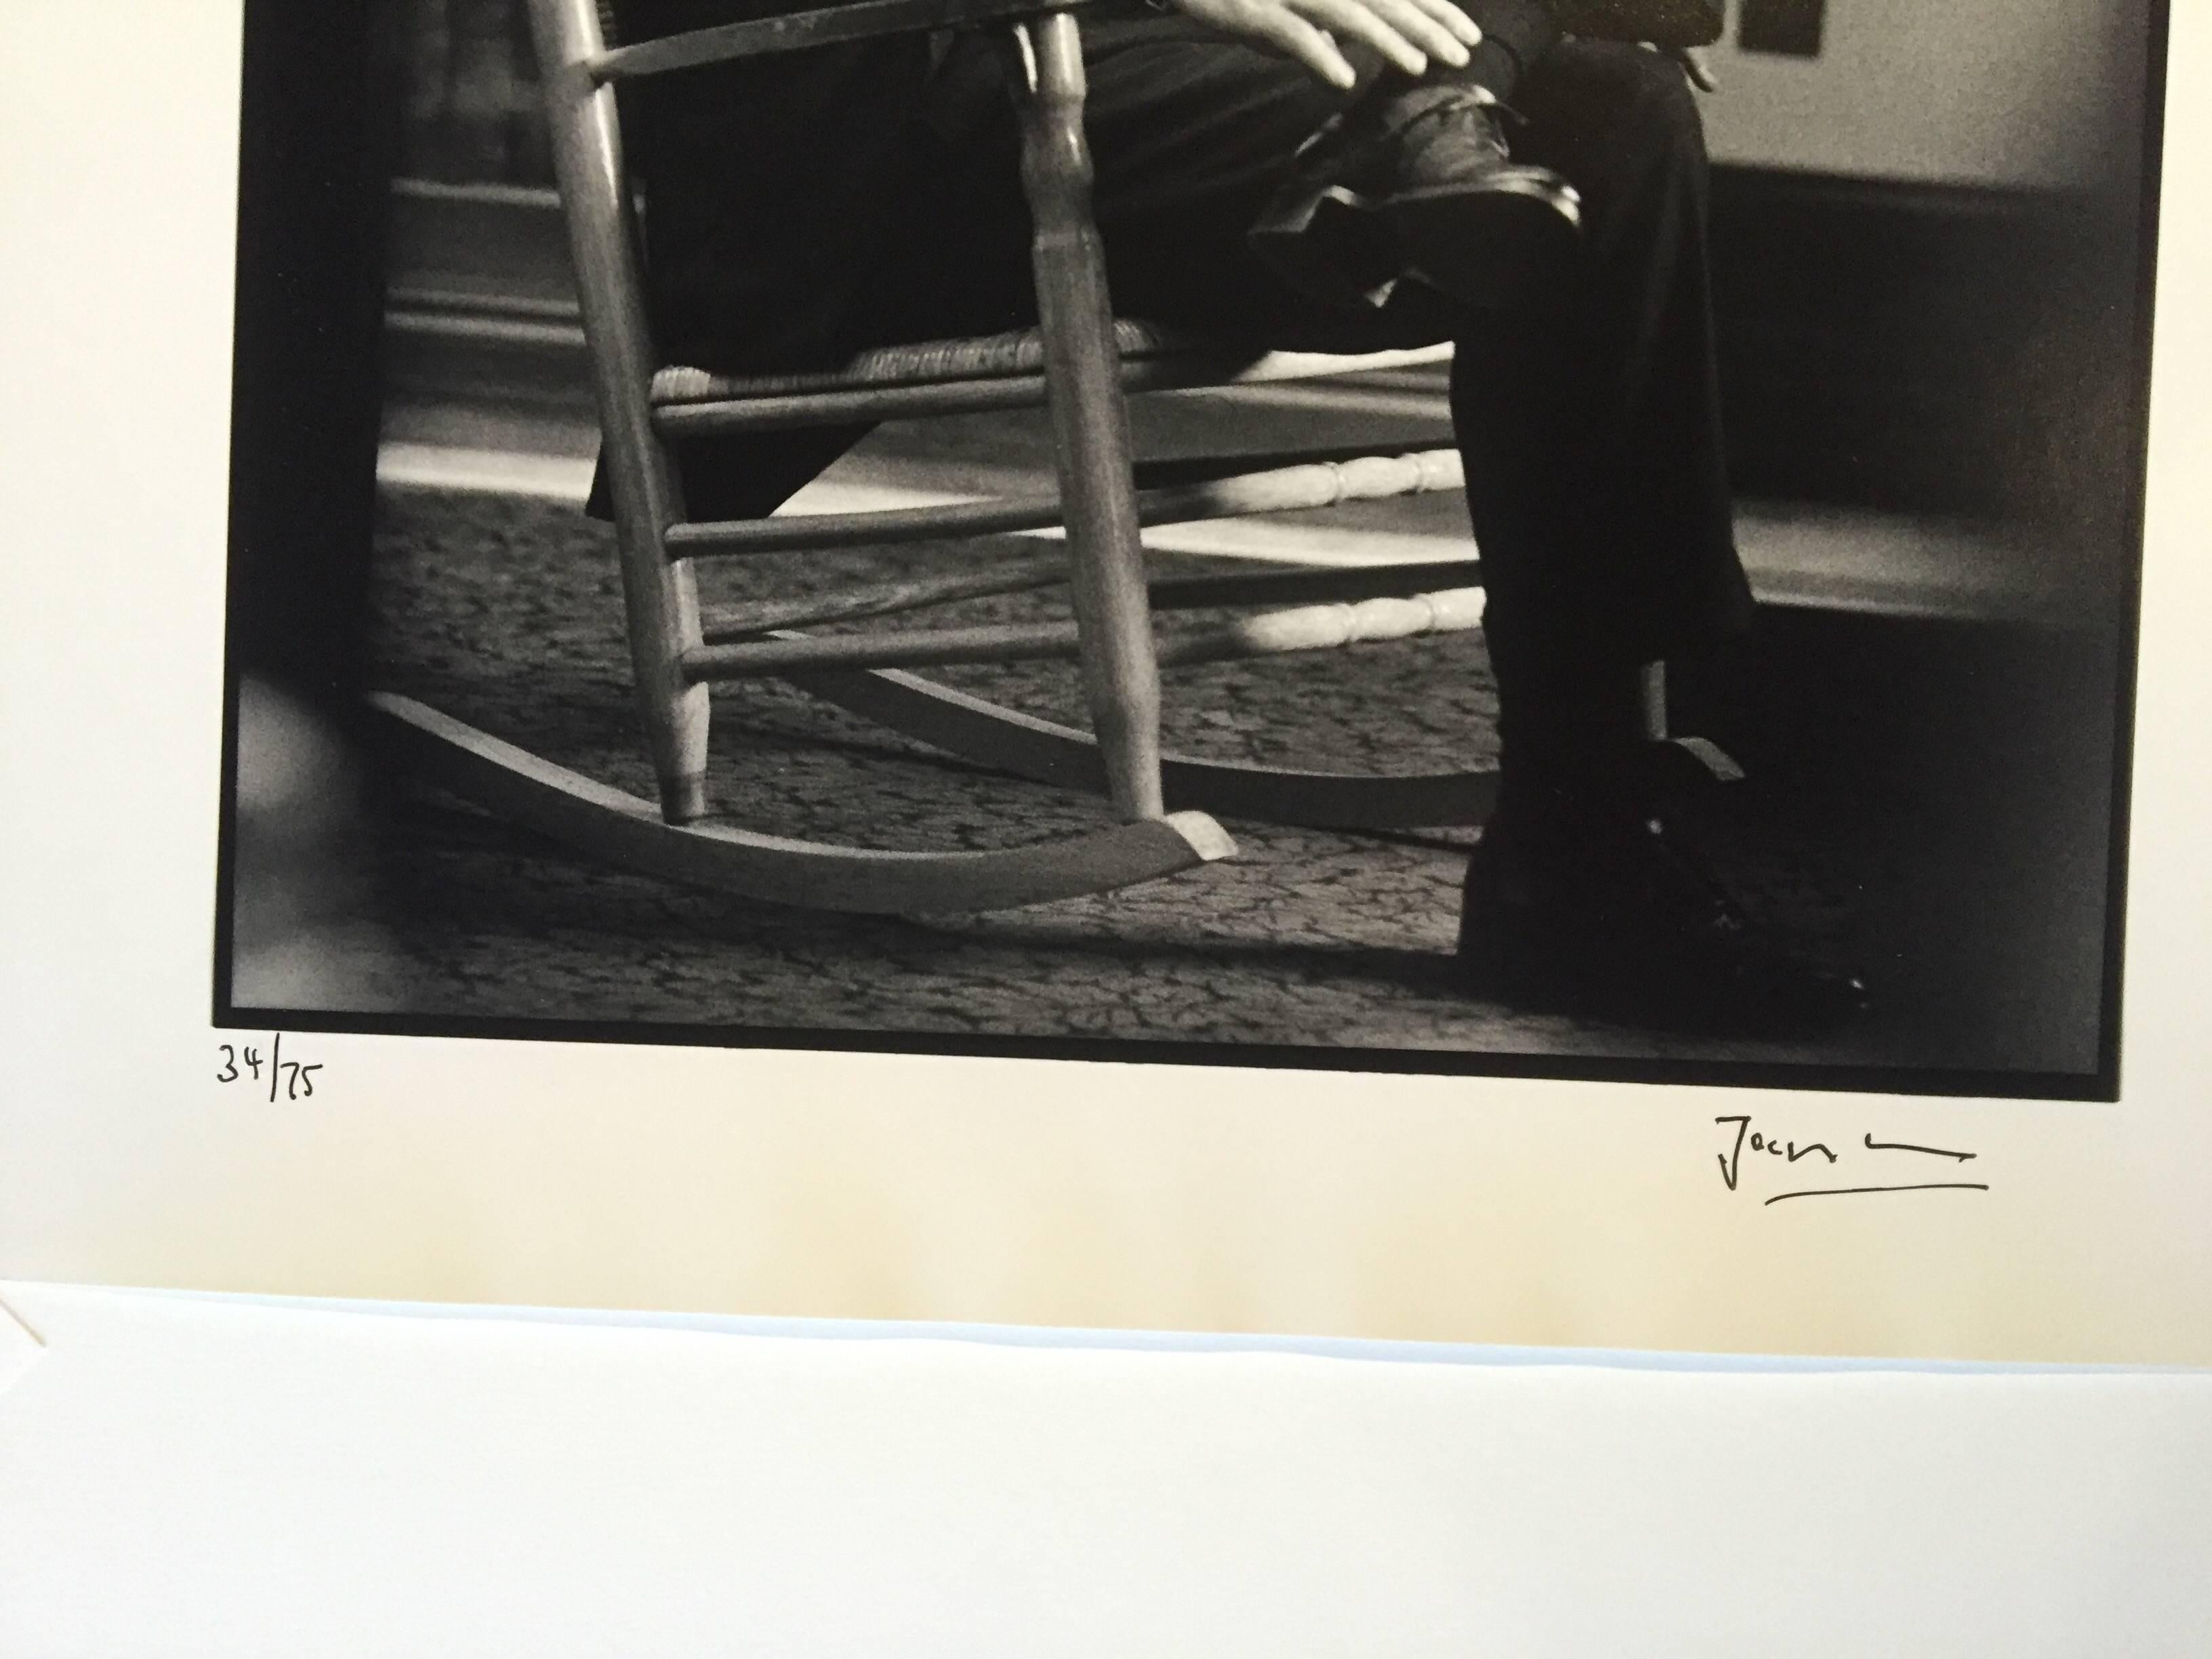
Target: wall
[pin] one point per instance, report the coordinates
(2029, 91)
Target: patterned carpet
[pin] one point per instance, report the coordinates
(1860, 824)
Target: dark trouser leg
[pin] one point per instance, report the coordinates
(1597, 480)
(1596, 477)
(1591, 433)
(1598, 484)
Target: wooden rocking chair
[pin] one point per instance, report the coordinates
(1079, 363)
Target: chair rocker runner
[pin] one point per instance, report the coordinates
(1078, 362)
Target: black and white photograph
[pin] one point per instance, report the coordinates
(1580, 538)
(1439, 730)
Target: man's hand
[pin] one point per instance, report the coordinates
(1407, 32)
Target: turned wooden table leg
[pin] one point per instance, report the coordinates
(1090, 423)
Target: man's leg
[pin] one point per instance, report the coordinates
(1591, 430)
(1418, 173)
(1597, 485)
(1596, 475)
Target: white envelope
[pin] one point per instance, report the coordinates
(192, 1474)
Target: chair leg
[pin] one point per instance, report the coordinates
(660, 601)
(1655, 701)
(659, 596)
(1090, 423)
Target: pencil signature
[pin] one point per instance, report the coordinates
(1762, 1145)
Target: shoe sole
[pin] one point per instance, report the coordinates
(1515, 241)
(1335, 247)
(1494, 248)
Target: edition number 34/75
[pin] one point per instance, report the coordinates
(240, 1064)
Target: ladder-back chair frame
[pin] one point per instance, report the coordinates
(1081, 377)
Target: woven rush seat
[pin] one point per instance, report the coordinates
(1019, 354)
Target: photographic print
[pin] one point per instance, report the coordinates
(1616, 557)
(209, 316)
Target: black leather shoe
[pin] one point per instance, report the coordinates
(1660, 22)
(1419, 184)
(1602, 907)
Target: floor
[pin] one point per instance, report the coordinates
(1927, 722)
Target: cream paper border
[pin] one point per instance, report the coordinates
(879, 1186)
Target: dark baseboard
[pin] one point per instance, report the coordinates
(1925, 347)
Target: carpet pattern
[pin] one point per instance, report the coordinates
(506, 614)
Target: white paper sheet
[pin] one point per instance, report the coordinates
(186, 1476)
(879, 1186)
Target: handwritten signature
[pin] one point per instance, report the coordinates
(1760, 1143)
